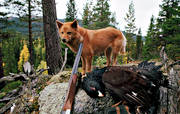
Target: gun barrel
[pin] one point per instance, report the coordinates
(72, 84)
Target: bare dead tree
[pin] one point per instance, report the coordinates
(65, 60)
(169, 99)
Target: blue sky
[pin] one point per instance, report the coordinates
(144, 9)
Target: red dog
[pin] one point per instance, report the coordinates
(108, 40)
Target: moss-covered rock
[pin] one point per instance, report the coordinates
(60, 77)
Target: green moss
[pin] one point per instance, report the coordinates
(10, 86)
(2, 94)
(1, 105)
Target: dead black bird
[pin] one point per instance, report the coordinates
(92, 83)
(138, 86)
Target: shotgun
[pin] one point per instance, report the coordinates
(66, 109)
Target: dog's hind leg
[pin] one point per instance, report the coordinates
(107, 53)
(88, 63)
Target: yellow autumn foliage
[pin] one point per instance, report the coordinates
(24, 57)
(43, 65)
(124, 59)
(3, 64)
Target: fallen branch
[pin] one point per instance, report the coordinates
(65, 60)
(13, 77)
(131, 59)
(29, 82)
(40, 71)
(175, 63)
(12, 94)
(7, 106)
(8, 99)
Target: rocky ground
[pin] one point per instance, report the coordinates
(52, 98)
(48, 95)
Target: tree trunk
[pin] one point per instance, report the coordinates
(53, 49)
(1, 64)
(30, 31)
(138, 47)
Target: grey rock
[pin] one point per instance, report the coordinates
(52, 98)
(85, 104)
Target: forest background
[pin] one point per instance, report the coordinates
(22, 33)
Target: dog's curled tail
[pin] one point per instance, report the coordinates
(124, 42)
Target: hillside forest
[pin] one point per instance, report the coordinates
(22, 33)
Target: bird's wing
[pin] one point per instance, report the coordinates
(118, 76)
(126, 84)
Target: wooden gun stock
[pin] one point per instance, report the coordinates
(71, 94)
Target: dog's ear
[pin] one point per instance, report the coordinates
(59, 24)
(74, 24)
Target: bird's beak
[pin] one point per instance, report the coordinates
(100, 94)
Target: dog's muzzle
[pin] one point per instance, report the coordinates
(64, 40)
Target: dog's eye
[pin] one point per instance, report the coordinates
(62, 32)
(69, 33)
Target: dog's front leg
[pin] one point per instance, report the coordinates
(83, 65)
(88, 63)
(107, 53)
(114, 58)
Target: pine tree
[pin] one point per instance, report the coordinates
(10, 51)
(102, 16)
(113, 22)
(150, 49)
(152, 27)
(168, 24)
(169, 17)
(139, 45)
(130, 19)
(10, 44)
(3, 20)
(87, 15)
(1, 65)
(71, 13)
(27, 11)
(1, 62)
(130, 30)
(98, 16)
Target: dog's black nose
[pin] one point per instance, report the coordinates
(64, 40)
